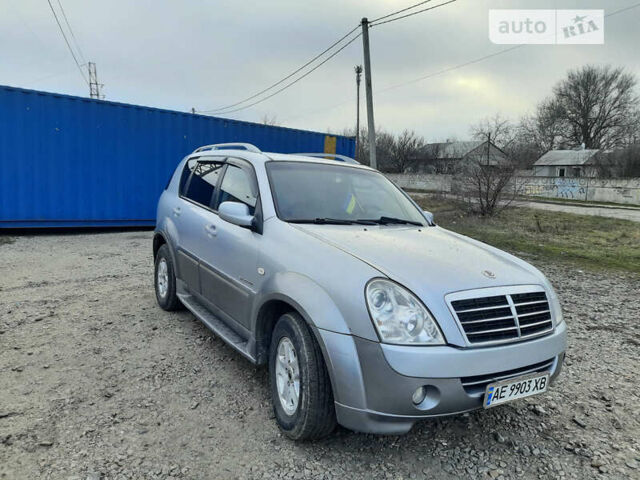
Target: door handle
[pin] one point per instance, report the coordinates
(211, 230)
(176, 211)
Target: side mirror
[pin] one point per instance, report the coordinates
(236, 213)
(429, 217)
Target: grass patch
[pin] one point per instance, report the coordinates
(583, 240)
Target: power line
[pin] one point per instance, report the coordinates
(73, 36)
(75, 59)
(635, 5)
(219, 110)
(399, 11)
(450, 69)
(412, 13)
(485, 57)
(456, 67)
(297, 79)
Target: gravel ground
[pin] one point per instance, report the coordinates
(96, 382)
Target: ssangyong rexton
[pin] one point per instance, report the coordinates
(367, 313)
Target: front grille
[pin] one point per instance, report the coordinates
(478, 384)
(504, 318)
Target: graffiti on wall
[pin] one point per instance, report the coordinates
(616, 190)
(571, 188)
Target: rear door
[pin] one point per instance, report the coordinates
(198, 188)
(228, 271)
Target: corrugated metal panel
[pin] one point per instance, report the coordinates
(72, 161)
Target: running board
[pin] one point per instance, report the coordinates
(216, 325)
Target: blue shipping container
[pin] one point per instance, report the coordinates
(70, 161)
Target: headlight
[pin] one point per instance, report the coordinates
(399, 316)
(555, 306)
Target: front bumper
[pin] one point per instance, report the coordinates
(374, 383)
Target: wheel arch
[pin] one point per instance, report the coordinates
(294, 292)
(159, 239)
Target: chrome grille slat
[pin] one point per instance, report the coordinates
(535, 324)
(497, 319)
(529, 303)
(511, 317)
(520, 315)
(493, 330)
(482, 308)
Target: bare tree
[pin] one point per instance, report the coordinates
(362, 154)
(485, 187)
(544, 128)
(269, 120)
(502, 130)
(405, 151)
(622, 162)
(595, 106)
(385, 146)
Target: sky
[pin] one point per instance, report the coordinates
(204, 54)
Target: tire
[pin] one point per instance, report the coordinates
(166, 288)
(314, 415)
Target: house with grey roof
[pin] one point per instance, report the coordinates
(448, 157)
(567, 163)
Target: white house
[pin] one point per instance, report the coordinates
(566, 163)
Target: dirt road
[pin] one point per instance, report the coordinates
(96, 382)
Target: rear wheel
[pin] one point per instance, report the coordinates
(299, 381)
(165, 281)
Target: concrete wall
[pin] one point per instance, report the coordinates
(422, 181)
(616, 190)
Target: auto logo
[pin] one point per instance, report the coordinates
(489, 274)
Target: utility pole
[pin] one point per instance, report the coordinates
(358, 74)
(367, 84)
(94, 86)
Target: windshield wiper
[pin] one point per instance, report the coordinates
(331, 221)
(392, 220)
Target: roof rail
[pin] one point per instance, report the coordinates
(334, 156)
(229, 146)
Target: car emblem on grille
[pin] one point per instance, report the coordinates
(489, 274)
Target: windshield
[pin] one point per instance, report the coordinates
(319, 193)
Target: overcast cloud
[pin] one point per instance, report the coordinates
(204, 54)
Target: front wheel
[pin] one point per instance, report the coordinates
(300, 385)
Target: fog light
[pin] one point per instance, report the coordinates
(418, 395)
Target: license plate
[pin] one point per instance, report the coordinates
(515, 388)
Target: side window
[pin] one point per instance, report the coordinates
(202, 183)
(237, 186)
(186, 173)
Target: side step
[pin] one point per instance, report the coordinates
(216, 325)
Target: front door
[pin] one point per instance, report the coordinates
(228, 267)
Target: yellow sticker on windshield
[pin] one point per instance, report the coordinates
(351, 205)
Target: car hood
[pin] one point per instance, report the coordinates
(428, 260)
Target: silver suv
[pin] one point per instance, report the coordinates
(366, 312)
